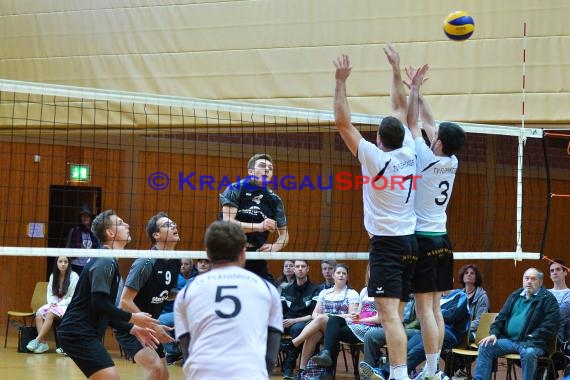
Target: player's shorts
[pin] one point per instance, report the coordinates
(87, 352)
(392, 263)
(131, 345)
(434, 272)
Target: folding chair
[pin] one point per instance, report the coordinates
(546, 361)
(470, 352)
(354, 349)
(39, 298)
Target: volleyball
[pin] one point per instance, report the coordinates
(458, 26)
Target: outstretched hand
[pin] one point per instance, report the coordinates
(143, 320)
(392, 55)
(145, 336)
(410, 72)
(162, 335)
(343, 67)
(418, 77)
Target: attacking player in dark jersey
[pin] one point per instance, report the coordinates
(258, 210)
(147, 286)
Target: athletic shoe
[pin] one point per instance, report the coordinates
(323, 359)
(42, 347)
(367, 372)
(439, 375)
(32, 345)
(60, 351)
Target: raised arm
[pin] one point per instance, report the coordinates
(397, 92)
(426, 115)
(428, 121)
(348, 132)
(414, 106)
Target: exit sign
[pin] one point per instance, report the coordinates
(79, 173)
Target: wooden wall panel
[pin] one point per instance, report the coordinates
(333, 219)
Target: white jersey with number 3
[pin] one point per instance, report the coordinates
(227, 312)
(434, 188)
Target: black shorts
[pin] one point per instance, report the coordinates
(87, 352)
(392, 263)
(434, 272)
(131, 345)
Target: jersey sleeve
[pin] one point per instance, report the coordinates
(139, 274)
(371, 158)
(181, 325)
(101, 275)
(424, 154)
(276, 310)
(230, 196)
(280, 217)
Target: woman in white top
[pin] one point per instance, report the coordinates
(338, 301)
(60, 289)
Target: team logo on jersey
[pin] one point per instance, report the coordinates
(161, 298)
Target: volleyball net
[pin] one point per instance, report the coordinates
(138, 154)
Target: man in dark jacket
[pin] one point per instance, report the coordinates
(526, 325)
(298, 301)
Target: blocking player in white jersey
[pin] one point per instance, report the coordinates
(388, 199)
(229, 321)
(437, 165)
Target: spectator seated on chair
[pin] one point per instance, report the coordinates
(327, 269)
(471, 279)
(61, 287)
(338, 301)
(350, 329)
(298, 301)
(526, 324)
(287, 276)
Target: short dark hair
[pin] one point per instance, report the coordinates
(224, 241)
(259, 156)
(478, 275)
(101, 223)
(452, 137)
(391, 132)
(151, 226)
(558, 261)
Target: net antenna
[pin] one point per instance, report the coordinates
(520, 156)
